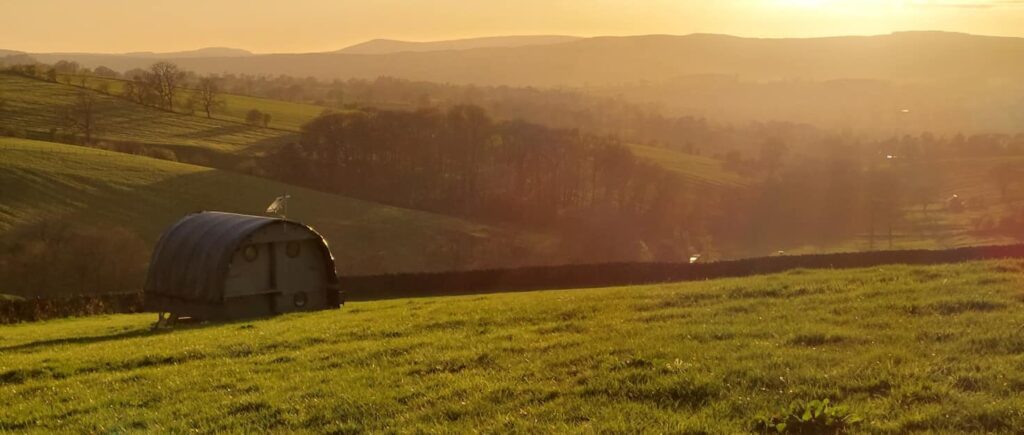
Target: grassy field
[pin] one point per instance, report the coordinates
(284, 114)
(34, 106)
(45, 180)
(905, 349)
(702, 170)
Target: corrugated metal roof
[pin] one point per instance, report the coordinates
(191, 259)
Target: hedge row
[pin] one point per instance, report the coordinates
(614, 274)
(30, 310)
(362, 288)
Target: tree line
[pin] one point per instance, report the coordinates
(55, 257)
(461, 161)
(595, 192)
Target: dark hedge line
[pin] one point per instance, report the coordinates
(614, 274)
(363, 288)
(30, 310)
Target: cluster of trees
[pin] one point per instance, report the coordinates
(82, 116)
(156, 87)
(593, 191)
(55, 257)
(557, 108)
(460, 161)
(159, 86)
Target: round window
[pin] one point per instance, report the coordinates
(250, 253)
(292, 249)
(300, 300)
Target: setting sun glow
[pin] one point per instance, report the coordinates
(804, 3)
(337, 23)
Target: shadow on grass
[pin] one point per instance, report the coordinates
(82, 340)
(148, 331)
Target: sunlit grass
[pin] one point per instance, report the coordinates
(905, 348)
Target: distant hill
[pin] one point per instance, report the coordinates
(950, 82)
(140, 59)
(903, 57)
(43, 179)
(382, 46)
(202, 52)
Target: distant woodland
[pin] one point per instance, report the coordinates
(562, 162)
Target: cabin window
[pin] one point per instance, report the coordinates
(292, 249)
(250, 253)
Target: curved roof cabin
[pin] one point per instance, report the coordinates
(213, 265)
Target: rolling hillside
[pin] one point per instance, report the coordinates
(45, 180)
(904, 349)
(285, 115)
(33, 107)
(291, 116)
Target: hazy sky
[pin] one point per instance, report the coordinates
(321, 25)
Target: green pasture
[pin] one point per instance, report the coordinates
(905, 349)
(33, 108)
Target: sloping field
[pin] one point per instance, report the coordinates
(289, 116)
(905, 349)
(34, 106)
(284, 115)
(45, 180)
(702, 170)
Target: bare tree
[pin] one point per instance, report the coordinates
(141, 91)
(165, 77)
(81, 116)
(208, 95)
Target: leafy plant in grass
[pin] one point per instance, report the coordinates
(813, 417)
